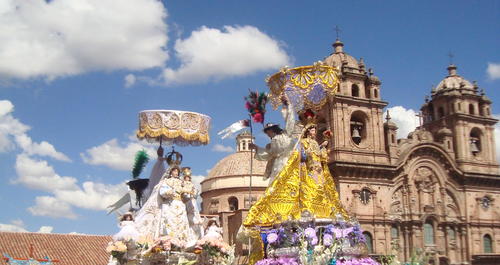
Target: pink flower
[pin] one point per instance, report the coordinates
(314, 241)
(327, 240)
(272, 238)
(258, 118)
(310, 232)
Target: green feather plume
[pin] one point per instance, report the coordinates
(141, 159)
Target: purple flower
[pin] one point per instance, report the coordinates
(310, 232)
(272, 238)
(314, 241)
(327, 240)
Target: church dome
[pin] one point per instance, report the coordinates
(453, 81)
(237, 164)
(233, 170)
(339, 58)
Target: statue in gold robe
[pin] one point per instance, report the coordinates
(304, 184)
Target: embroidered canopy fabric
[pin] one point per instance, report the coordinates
(306, 87)
(174, 127)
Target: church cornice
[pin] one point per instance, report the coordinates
(360, 101)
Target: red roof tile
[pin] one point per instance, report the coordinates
(67, 248)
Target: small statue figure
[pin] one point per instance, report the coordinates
(128, 230)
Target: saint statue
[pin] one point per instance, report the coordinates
(156, 173)
(189, 196)
(166, 212)
(276, 153)
(303, 184)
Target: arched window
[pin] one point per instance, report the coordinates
(430, 111)
(355, 91)
(428, 233)
(440, 112)
(471, 109)
(365, 196)
(459, 106)
(369, 241)
(394, 232)
(367, 92)
(358, 127)
(451, 234)
(393, 138)
(475, 141)
(487, 244)
(375, 93)
(233, 203)
(488, 111)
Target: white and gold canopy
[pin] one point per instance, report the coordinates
(306, 87)
(174, 127)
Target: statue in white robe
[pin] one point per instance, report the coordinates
(164, 213)
(156, 173)
(193, 212)
(277, 152)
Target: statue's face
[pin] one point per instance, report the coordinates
(270, 133)
(312, 132)
(174, 173)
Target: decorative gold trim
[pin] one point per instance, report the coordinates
(174, 127)
(304, 79)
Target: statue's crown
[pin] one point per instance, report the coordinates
(174, 159)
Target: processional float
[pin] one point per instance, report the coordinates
(280, 233)
(147, 241)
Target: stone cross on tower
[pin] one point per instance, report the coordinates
(337, 30)
(451, 55)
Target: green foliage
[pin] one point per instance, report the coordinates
(141, 159)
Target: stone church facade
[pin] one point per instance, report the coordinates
(437, 190)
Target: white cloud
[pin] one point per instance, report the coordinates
(39, 175)
(18, 226)
(46, 229)
(14, 133)
(212, 54)
(222, 148)
(58, 38)
(112, 154)
(405, 119)
(43, 148)
(18, 222)
(93, 196)
(66, 192)
(51, 207)
(493, 71)
(130, 80)
(14, 226)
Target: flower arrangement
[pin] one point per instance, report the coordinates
(256, 105)
(278, 261)
(307, 243)
(117, 249)
(216, 251)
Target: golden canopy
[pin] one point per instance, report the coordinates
(306, 87)
(174, 127)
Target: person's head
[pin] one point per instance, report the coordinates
(311, 131)
(272, 130)
(174, 172)
(127, 217)
(187, 178)
(212, 222)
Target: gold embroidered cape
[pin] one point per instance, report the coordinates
(300, 186)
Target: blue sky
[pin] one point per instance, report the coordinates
(77, 74)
